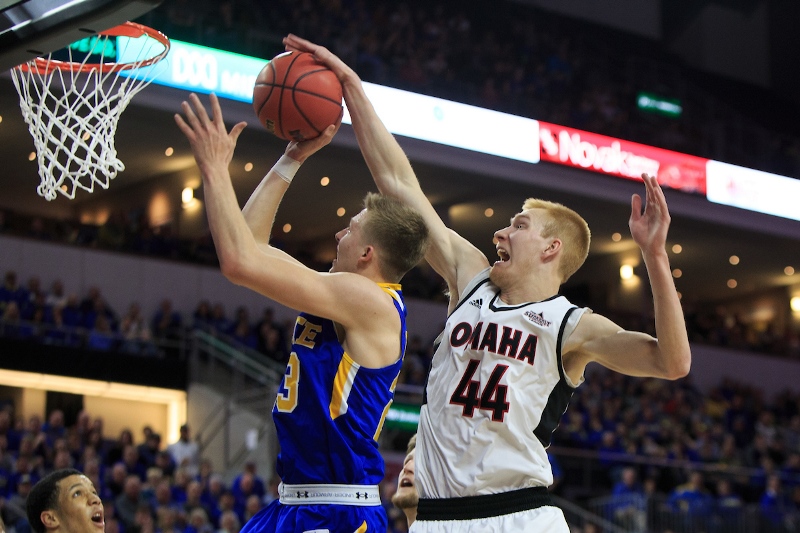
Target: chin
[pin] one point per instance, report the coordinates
(496, 276)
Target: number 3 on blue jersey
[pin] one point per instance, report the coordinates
(287, 401)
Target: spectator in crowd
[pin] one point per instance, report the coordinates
(56, 296)
(167, 520)
(691, 500)
(219, 321)
(54, 427)
(728, 506)
(117, 448)
(229, 523)
(194, 493)
(198, 522)
(94, 305)
(248, 482)
(166, 323)
(135, 332)
(127, 504)
(241, 330)
(774, 505)
(116, 480)
(101, 337)
(186, 452)
(628, 501)
(148, 450)
(11, 291)
(201, 319)
(133, 463)
(13, 508)
(271, 338)
(252, 506)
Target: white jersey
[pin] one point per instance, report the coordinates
(495, 393)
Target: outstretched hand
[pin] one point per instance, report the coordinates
(323, 55)
(211, 143)
(649, 228)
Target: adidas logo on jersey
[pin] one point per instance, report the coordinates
(477, 302)
(537, 318)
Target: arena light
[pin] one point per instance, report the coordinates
(174, 400)
(795, 303)
(187, 195)
(626, 272)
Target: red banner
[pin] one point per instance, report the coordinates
(624, 159)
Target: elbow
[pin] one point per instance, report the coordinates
(680, 368)
(232, 268)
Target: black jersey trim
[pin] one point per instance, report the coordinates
(469, 294)
(560, 342)
(484, 506)
(559, 398)
(515, 307)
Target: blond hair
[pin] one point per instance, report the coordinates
(570, 227)
(398, 231)
(412, 443)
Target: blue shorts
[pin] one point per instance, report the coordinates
(280, 518)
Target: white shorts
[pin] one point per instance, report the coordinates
(545, 519)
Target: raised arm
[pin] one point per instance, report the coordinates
(638, 354)
(349, 299)
(452, 256)
(259, 211)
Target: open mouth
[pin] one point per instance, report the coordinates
(503, 255)
(97, 517)
(405, 482)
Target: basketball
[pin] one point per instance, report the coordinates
(296, 97)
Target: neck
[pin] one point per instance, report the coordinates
(529, 292)
(411, 515)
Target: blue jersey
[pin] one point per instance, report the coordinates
(329, 411)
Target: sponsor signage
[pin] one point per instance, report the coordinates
(402, 416)
(753, 190)
(624, 159)
(204, 70)
(651, 103)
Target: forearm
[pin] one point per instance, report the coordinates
(260, 210)
(387, 162)
(232, 238)
(673, 341)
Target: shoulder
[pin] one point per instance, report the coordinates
(591, 326)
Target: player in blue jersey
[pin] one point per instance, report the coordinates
(513, 350)
(348, 342)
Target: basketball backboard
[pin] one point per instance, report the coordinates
(31, 28)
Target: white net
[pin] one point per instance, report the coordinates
(72, 109)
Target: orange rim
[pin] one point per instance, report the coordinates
(41, 65)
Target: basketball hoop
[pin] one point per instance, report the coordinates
(72, 107)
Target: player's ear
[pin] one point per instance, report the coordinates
(552, 249)
(368, 253)
(49, 519)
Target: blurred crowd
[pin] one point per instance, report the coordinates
(705, 454)
(657, 441)
(147, 486)
(53, 306)
(511, 57)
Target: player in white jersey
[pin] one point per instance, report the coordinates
(512, 351)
